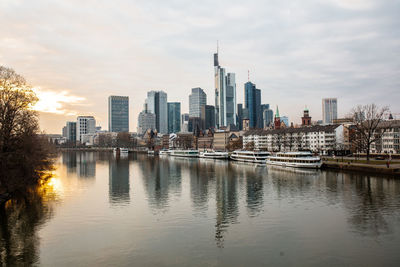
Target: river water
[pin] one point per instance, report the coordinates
(149, 211)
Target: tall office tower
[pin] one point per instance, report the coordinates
(157, 104)
(185, 122)
(174, 117)
(252, 97)
(225, 95)
(197, 99)
(239, 118)
(118, 113)
(64, 131)
(285, 120)
(85, 125)
(71, 131)
(277, 119)
(146, 120)
(329, 110)
(268, 117)
(208, 116)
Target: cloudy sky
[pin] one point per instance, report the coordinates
(77, 53)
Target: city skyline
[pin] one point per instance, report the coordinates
(341, 49)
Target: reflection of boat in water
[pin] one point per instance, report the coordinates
(214, 155)
(121, 151)
(152, 153)
(290, 170)
(185, 153)
(301, 159)
(250, 156)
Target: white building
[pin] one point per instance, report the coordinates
(390, 139)
(316, 138)
(85, 125)
(329, 110)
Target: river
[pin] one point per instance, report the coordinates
(150, 211)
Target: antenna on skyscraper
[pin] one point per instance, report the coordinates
(217, 47)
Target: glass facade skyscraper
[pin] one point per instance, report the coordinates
(197, 99)
(252, 97)
(118, 113)
(157, 104)
(225, 95)
(174, 117)
(329, 110)
(208, 116)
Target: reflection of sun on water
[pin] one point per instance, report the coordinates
(52, 187)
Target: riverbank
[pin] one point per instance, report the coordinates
(373, 168)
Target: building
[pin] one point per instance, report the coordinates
(71, 131)
(252, 97)
(277, 119)
(268, 116)
(285, 120)
(329, 110)
(222, 139)
(322, 139)
(306, 119)
(239, 118)
(118, 113)
(185, 122)
(225, 95)
(174, 117)
(157, 104)
(197, 100)
(146, 120)
(64, 131)
(208, 116)
(85, 125)
(195, 124)
(389, 141)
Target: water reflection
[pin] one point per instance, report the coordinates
(119, 181)
(86, 167)
(160, 178)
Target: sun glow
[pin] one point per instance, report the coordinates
(55, 102)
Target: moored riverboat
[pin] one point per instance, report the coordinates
(301, 159)
(259, 157)
(190, 153)
(214, 155)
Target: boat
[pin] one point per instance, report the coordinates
(214, 155)
(185, 153)
(300, 159)
(259, 157)
(164, 152)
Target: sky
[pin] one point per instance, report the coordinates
(77, 53)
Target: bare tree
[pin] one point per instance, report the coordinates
(367, 119)
(24, 155)
(249, 146)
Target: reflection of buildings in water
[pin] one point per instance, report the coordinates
(119, 181)
(226, 197)
(161, 177)
(368, 200)
(69, 161)
(200, 172)
(86, 164)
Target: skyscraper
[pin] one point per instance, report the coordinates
(185, 122)
(71, 131)
(329, 110)
(208, 116)
(197, 99)
(252, 97)
(85, 125)
(157, 104)
(174, 117)
(239, 111)
(267, 115)
(225, 95)
(146, 120)
(118, 113)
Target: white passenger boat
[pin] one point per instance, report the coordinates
(165, 152)
(259, 157)
(214, 155)
(301, 159)
(185, 153)
(152, 153)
